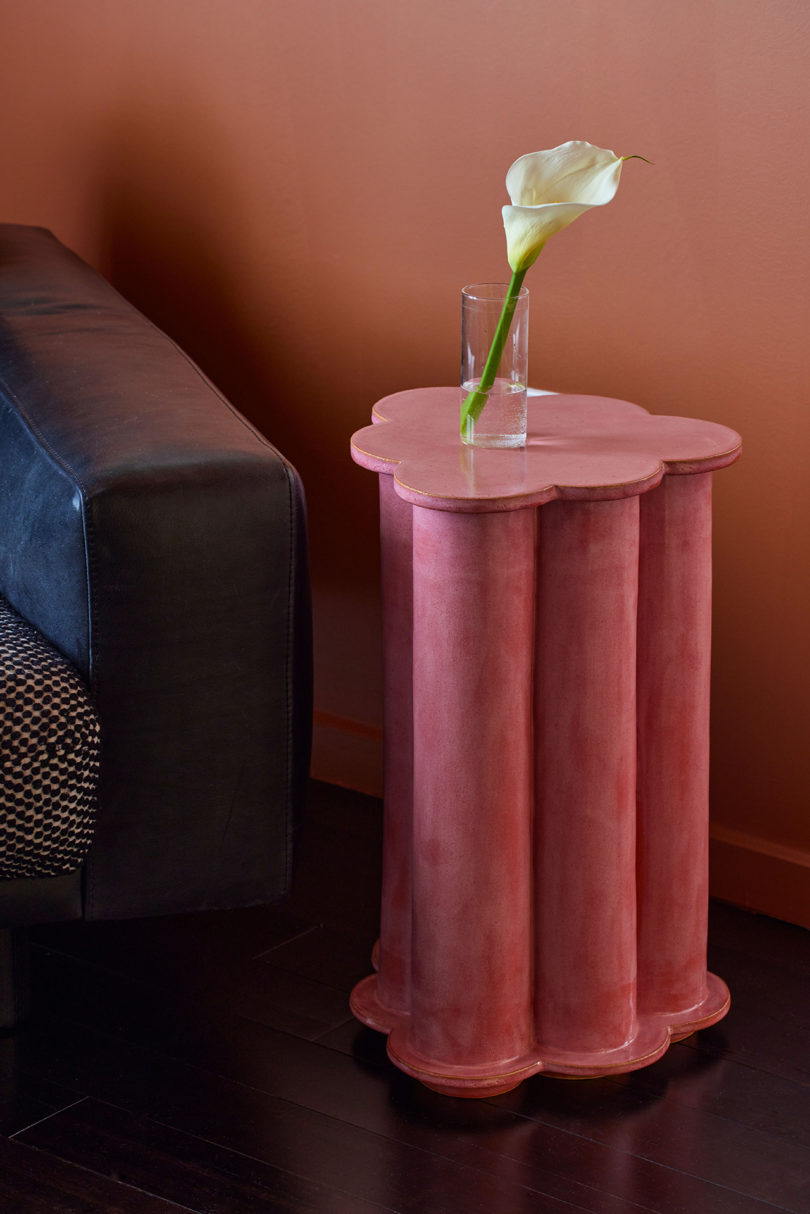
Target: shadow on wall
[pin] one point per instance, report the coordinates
(161, 244)
(175, 241)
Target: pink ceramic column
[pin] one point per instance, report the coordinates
(525, 934)
(473, 632)
(394, 960)
(585, 949)
(674, 645)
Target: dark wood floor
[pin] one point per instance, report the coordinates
(209, 1063)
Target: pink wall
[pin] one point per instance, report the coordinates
(297, 192)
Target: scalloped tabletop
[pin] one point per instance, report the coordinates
(577, 447)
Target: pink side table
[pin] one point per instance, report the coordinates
(546, 617)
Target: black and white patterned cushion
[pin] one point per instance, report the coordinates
(49, 755)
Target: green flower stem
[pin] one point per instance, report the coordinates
(474, 401)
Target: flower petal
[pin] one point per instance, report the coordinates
(573, 172)
(551, 189)
(528, 229)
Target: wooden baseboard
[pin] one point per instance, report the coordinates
(347, 753)
(760, 875)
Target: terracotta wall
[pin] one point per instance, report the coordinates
(298, 191)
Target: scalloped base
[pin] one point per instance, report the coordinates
(654, 1036)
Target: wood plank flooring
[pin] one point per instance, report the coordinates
(209, 1063)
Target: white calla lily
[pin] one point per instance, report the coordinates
(551, 189)
(548, 190)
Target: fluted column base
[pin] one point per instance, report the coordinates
(653, 1037)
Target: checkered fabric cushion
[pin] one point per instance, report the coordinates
(49, 755)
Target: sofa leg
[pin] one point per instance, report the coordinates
(14, 977)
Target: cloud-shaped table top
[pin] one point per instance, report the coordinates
(577, 447)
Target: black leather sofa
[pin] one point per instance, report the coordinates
(157, 541)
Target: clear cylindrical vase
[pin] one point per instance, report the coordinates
(494, 365)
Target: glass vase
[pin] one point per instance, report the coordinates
(493, 387)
